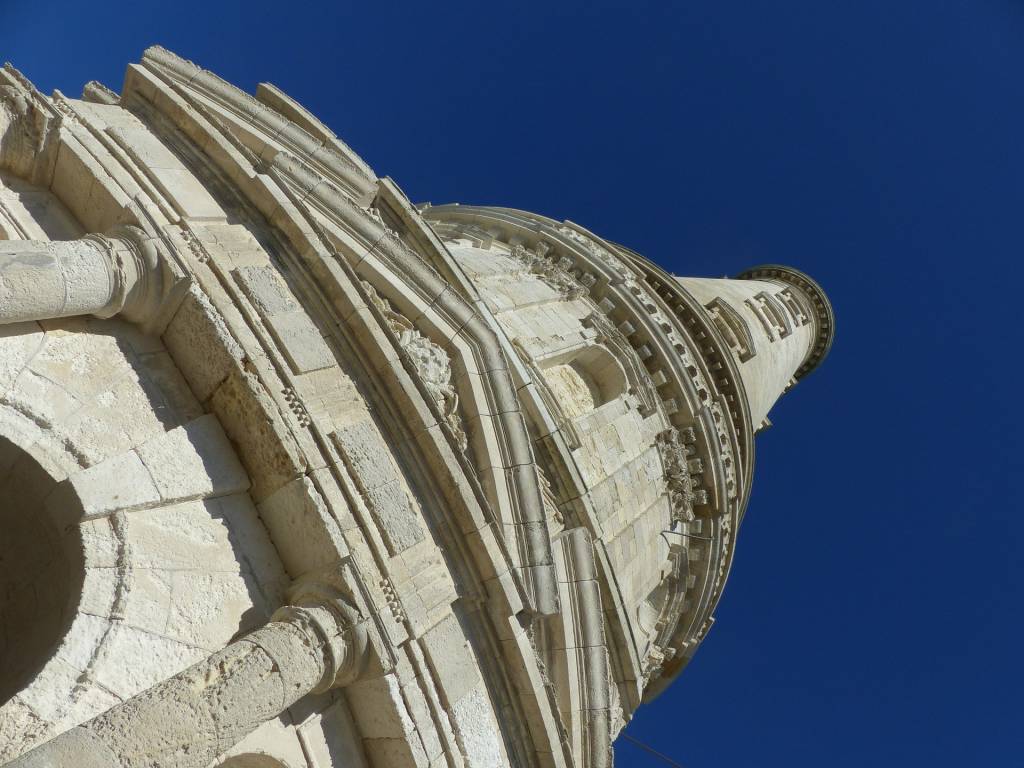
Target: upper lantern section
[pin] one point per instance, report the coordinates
(824, 318)
(777, 323)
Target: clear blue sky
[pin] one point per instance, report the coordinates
(874, 613)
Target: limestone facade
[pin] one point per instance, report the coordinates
(296, 473)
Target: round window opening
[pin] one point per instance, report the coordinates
(41, 571)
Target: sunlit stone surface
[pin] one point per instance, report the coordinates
(295, 473)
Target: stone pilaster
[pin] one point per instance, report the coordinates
(191, 718)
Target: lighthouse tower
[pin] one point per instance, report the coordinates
(777, 323)
(297, 474)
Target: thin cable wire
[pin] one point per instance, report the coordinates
(668, 760)
(689, 535)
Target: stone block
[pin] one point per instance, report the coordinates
(201, 344)
(154, 658)
(331, 740)
(117, 484)
(208, 609)
(158, 367)
(194, 461)
(267, 290)
(99, 591)
(19, 343)
(145, 599)
(81, 641)
(299, 338)
(20, 729)
(479, 736)
(100, 546)
(300, 341)
(396, 753)
(449, 655)
(378, 709)
(251, 544)
(398, 521)
(114, 421)
(48, 402)
(252, 420)
(304, 533)
(48, 693)
(366, 454)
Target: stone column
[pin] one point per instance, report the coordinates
(191, 718)
(94, 275)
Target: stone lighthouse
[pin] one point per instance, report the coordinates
(296, 474)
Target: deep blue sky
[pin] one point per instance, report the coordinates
(874, 613)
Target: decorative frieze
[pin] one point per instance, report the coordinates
(296, 406)
(393, 602)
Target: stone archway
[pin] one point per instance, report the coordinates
(41, 571)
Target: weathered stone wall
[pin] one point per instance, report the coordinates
(174, 559)
(616, 453)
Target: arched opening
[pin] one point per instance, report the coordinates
(28, 212)
(251, 760)
(584, 380)
(41, 571)
(650, 611)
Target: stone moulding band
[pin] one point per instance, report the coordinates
(389, 251)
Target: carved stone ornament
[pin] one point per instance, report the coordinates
(677, 475)
(432, 363)
(599, 252)
(554, 273)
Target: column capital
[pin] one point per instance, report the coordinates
(135, 270)
(336, 627)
